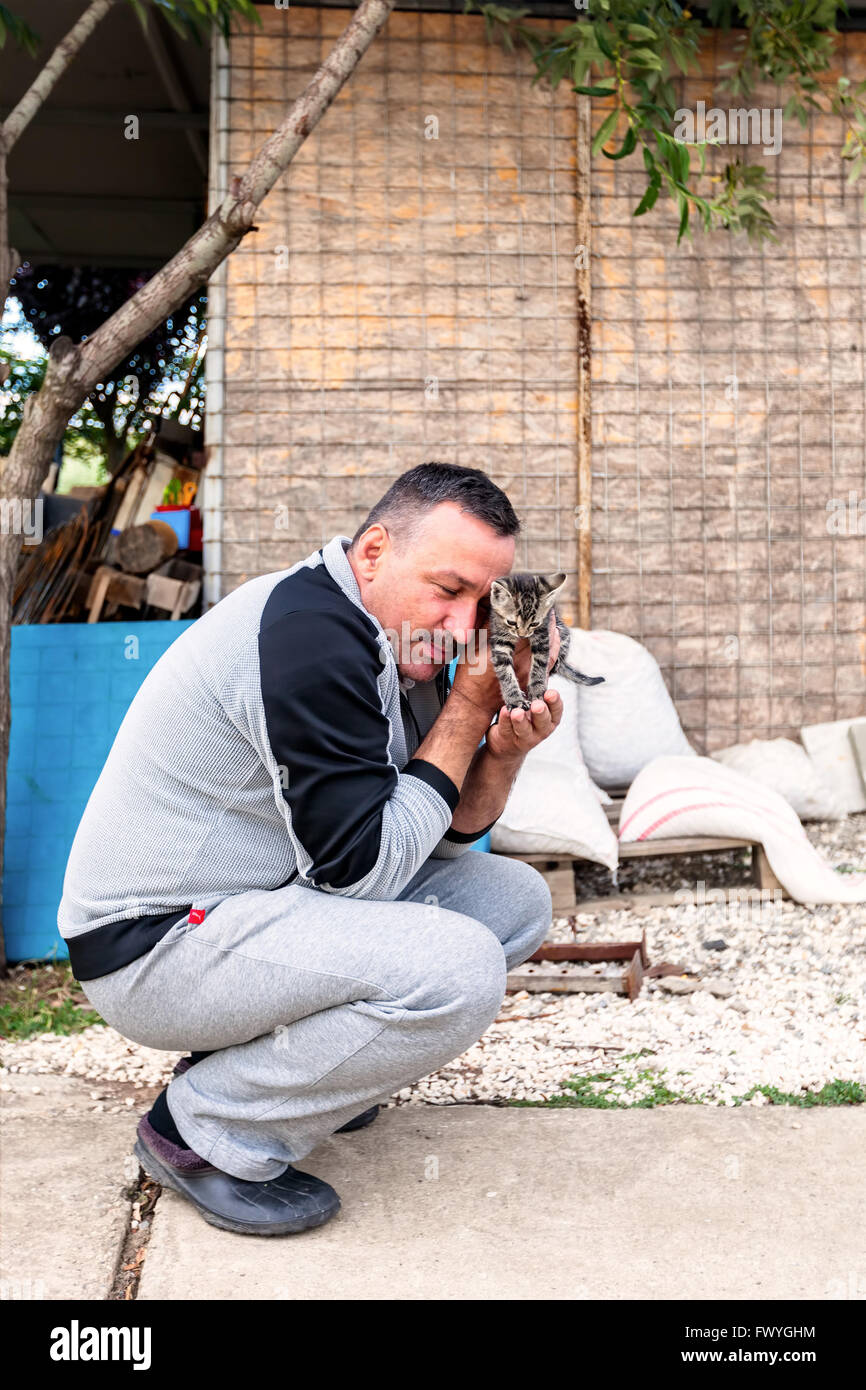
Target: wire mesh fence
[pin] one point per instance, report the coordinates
(411, 295)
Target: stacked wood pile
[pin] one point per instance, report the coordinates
(82, 571)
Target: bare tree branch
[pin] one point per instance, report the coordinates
(33, 98)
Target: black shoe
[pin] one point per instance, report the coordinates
(360, 1121)
(293, 1202)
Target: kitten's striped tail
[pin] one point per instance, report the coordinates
(562, 668)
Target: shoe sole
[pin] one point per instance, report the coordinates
(166, 1178)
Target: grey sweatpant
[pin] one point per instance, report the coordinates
(317, 1006)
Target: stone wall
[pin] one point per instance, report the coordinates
(411, 294)
(729, 420)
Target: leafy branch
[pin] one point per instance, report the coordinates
(793, 44)
(192, 18)
(20, 31)
(631, 52)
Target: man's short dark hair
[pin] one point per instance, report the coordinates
(417, 491)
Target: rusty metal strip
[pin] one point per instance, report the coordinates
(594, 951)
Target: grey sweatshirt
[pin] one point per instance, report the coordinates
(272, 743)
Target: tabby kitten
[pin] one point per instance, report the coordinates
(519, 607)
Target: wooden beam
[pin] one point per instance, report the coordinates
(176, 86)
(99, 116)
(517, 980)
(763, 875)
(645, 849)
(583, 513)
(97, 202)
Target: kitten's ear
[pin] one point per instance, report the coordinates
(557, 582)
(502, 599)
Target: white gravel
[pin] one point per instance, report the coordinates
(790, 1011)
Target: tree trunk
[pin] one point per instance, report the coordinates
(7, 255)
(74, 371)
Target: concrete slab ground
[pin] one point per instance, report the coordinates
(469, 1202)
(63, 1213)
(462, 1202)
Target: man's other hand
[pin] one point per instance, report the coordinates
(517, 730)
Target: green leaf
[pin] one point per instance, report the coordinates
(659, 110)
(684, 217)
(627, 146)
(645, 58)
(20, 31)
(641, 31)
(601, 40)
(180, 26)
(682, 56)
(596, 91)
(604, 131)
(649, 198)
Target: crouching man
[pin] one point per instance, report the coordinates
(272, 869)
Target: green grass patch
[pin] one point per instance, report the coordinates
(43, 998)
(610, 1090)
(833, 1093)
(603, 1090)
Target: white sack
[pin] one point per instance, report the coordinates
(631, 718)
(832, 754)
(697, 796)
(785, 767)
(553, 807)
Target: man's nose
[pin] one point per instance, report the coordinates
(461, 620)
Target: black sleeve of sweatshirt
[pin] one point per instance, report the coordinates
(330, 735)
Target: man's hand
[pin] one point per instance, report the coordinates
(516, 731)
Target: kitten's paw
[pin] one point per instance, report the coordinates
(522, 703)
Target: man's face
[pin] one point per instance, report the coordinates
(427, 589)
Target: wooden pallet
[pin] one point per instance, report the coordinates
(559, 871)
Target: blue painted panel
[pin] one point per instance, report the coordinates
(71, 686)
